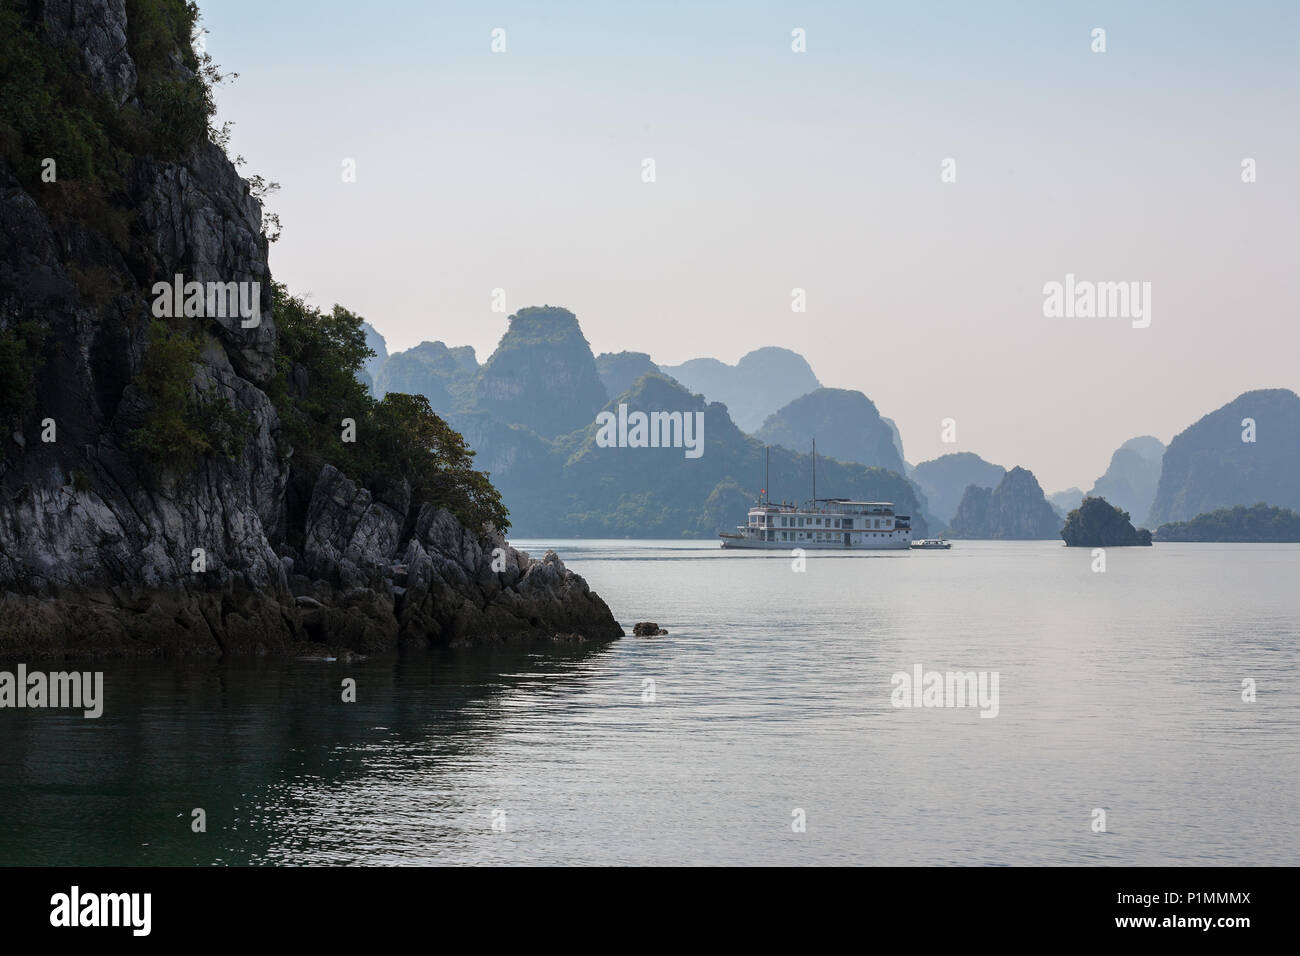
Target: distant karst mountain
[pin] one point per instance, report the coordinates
(370, 367)
(558, 481)
(1130, 481)
(944, 480)
(752, 389)
(445, 376)
(1065, 501)
(898, 442)
(1015, 509)
(620, 370)
(542, 374)
(1209, 466)
(846, 424)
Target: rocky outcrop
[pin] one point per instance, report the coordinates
(457, 591)
(1096, 523)
(103, 551)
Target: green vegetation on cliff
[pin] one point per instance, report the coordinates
(400, 442)
(181, 426)
(1257, 523)
(1098, 524)
(49, 111)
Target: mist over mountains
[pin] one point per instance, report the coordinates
(529, 412)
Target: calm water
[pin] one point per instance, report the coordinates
(1119, 691)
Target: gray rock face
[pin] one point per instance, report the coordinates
(101, 553)
(454, 591)
(98, 30)
(351, 540)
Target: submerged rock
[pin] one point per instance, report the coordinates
(648, 629)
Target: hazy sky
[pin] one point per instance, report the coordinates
(819, 170)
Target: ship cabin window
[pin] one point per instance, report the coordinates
(848, 522)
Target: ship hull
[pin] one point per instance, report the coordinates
(753, 544)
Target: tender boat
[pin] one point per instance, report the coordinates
(931, 544)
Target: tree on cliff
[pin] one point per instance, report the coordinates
(400, 441)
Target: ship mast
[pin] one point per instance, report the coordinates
(767, 476)
(814, 473)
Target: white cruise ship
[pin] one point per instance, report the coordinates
(833, 524)
(823, 524)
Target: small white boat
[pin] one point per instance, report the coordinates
(931, 544)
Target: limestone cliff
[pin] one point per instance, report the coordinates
(105, 551)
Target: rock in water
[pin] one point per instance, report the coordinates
(1098, 524)
(648, 629)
